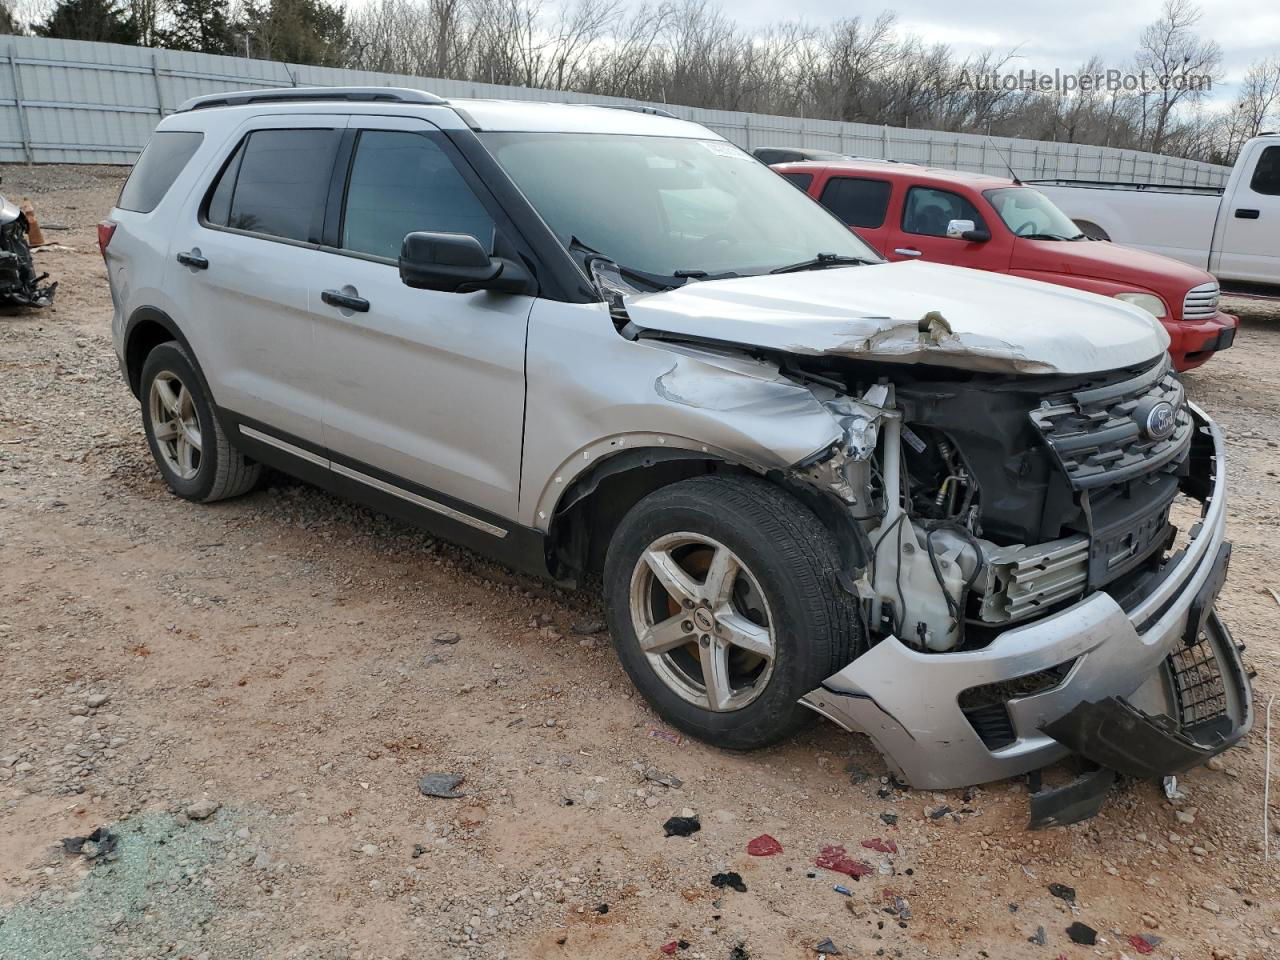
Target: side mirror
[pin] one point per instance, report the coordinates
(966, 230)
(457, 263)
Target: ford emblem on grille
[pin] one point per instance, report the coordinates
(1160, 421)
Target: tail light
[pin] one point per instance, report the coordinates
(106, 230)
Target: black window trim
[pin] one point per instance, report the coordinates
(1253, 177)
(888, 200)
(980, 223)
(202, 214)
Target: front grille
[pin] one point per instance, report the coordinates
(1199, 686)
(1100, 434)
(1201, 302)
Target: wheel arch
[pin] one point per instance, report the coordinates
(148, 327)
(586, 513)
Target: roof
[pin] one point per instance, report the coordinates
(491, 115)
(913, 171)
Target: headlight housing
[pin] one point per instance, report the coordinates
(1147, 301)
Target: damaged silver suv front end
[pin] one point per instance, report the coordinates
(1132, 671)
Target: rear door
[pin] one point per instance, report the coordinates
(921, 232)
(238, 263)
(424, 389)
(862, 204)
(1250, 221)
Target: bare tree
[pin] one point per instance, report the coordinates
(1177, 63)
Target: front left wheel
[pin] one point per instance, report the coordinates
(193, 453)
(724, 605)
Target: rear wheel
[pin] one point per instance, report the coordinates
(725, 610)
(193, 453)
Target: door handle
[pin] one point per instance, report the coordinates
(193, 260)
(1243, 213)
(908, 252)
(336, 298)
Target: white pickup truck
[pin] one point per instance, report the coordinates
(1232, 231)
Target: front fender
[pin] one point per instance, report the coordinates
(592, 393)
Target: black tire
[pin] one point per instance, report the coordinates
(220, 470)
(794, 560)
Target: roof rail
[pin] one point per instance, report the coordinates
(636, 108)
(306, 94)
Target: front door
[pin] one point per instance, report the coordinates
(921, 232)
(1250, 221)
(422, 386)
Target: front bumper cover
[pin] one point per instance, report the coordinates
(908, 701)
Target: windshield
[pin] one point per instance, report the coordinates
(669, 207)
(1029, 213)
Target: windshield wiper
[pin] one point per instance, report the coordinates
(1049, 236)
(822, 261)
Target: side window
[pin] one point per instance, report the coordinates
(802, 181)
(857, 202)
(402, 182)
(1266, 175)
(276, 183)
(161, 161)
(928, 211)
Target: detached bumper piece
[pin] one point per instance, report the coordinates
(1209, 689)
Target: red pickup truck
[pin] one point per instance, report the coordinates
(991, 223)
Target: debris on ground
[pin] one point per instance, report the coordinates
(99, 845)
(1143, 944)
(669, 948)
(898, 906)
(889, 819)
(448, 637)
(202, 809)
(654, 775)
(602, 909)
(941, 812)
(1063, 892)
(1039, 938)
(739, 952)
(443, 785)
(1082, 934)
(764, 846)
(833, 857)
(842, 889)
(827, 948)
(731, 879)
(880, 846)
(681, 826)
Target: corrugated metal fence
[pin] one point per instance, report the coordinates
(68, 101)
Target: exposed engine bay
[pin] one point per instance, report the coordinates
(20, 285)
(988, 501)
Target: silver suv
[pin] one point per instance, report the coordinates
(929, 503)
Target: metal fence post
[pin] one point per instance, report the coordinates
(884, 147)
(22, 110)
(155, 75)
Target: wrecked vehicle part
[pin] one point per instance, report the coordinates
(20, 285)
(1084, 653)
(1078, 800)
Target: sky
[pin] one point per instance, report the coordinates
(1048, 33)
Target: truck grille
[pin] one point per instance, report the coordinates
(1201, 302)
(1103, 435)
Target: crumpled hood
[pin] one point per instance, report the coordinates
(912, 313)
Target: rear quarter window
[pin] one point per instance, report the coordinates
(857, 201)
(1266, 175)
(163, 158)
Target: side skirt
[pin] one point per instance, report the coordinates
(516, 546)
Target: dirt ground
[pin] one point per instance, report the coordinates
(281, 656)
